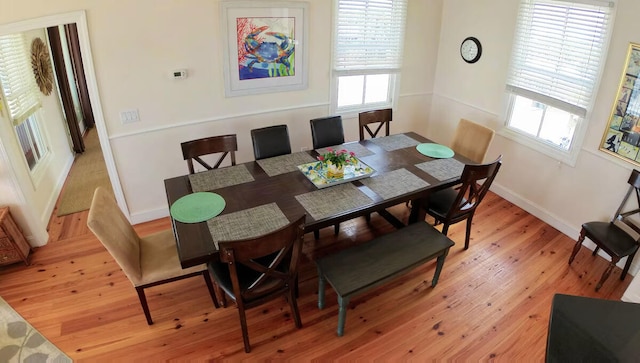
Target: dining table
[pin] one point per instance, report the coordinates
(263, 195)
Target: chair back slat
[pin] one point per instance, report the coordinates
(381, 117)
(476, 180)
(194, 149)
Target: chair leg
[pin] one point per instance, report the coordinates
(145, 306)
(367, 217)
(293, 303)
(207, 280)
(336, 229)
(468, 235)
(445, 228)
(577, 246)
(243, 325)
(627, 265)
(607, 272)
(595, 251)
(316, 234)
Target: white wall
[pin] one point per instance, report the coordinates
(562, 195)
(135, 44)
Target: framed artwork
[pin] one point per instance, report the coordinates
(622, 135)
(266, 46)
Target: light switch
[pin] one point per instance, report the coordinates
(129, 116)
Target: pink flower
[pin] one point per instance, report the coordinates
(321, 158)
(352, 153)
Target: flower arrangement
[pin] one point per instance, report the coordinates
(337, 158)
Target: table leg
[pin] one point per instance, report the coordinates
(321, 283)
(417, 212)
(343, 303)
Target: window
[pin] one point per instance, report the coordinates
(368, 41)
(21, 96)
(556, 63)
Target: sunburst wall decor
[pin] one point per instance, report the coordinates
(41, 64)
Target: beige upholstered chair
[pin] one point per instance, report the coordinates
(472, 140)
(147, 261)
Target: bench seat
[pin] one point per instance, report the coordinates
(365, 266)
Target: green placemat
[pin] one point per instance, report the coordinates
(435, 150)
(197, 207)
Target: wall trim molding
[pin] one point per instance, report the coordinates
(53, 198)
(214, 119)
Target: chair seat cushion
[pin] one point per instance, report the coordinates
(159, 259)
(610, 238)
(440, 202)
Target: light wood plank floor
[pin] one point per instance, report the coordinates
(492, 302)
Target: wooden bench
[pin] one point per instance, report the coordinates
(373, 263)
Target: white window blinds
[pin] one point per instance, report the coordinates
(369, 36)
(16, 78)
(557, 51)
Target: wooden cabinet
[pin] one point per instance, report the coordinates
(13, 246)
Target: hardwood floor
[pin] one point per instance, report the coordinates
(492, 301)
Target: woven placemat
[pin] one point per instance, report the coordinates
(395, 142)
(442, 169)
(394, 183)
(247, 223)
(220, 178)
(334, 200)
(356, 148)
(284, 163)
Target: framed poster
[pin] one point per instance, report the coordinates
(265, 46)
(622, 136)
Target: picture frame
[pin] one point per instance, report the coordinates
(621, 138)
(266, 46)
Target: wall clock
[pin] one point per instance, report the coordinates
(41, 64)
(471, 49)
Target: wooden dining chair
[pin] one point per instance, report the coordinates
(146, 261)
(270, 141)
(619, 238)
(327, 131)
(453, 205)
(472, 140)
(194, 149)
(369, 119)
(256, 270)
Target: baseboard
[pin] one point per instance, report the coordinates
(149, 215)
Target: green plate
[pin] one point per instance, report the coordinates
(435, 150)
(197, 207)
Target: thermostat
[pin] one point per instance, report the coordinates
(179, 74)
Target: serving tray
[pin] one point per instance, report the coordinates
(317, 174)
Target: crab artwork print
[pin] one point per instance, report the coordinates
(266, 47)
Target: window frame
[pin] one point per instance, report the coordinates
(569, 156)
(393, 71)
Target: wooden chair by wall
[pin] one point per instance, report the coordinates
(270, 141)
(256, 270)
(615, 237)
(147, 261)
(367, 120)
(326, 131)
(453, 205)
(194, 149)
(472, 140)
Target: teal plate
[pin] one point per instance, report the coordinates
(197, 207)
(435, 150)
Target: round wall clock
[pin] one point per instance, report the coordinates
(41, 64)
(471, 49)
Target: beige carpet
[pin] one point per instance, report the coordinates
(20, 342)
(87, 173)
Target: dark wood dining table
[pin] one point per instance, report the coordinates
(195, 242)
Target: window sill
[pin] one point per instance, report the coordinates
(566, 157)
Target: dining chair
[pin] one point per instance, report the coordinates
(618, 238)
(194, 149)
(327, 131)
(453, 205)
(270, 141)
(146, 261)
(472, 140)
(382, 118)
(256, 270)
